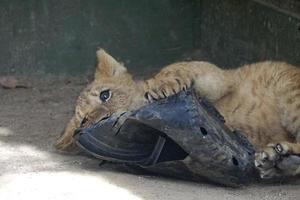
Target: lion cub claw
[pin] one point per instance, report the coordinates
(277, 160)
(159, 89)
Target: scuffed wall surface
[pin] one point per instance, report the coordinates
(56, 36)
(234, 32)
(62, 36)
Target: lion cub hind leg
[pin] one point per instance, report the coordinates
(278, 160)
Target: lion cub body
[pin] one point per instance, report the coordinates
(261, 100)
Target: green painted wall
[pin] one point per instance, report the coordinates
(61, 36)
(234, 32)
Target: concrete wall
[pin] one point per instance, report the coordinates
(233, 32)
(61, 36)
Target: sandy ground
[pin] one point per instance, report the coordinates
(30, 168)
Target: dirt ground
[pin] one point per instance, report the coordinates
(30, 168)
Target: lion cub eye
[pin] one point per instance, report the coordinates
(105, 95)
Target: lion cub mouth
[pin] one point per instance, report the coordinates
(88, 120)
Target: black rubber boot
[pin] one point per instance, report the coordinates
(180, 136)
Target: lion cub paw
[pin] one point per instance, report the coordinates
(159, 89)
(276, 161)
(64, 143)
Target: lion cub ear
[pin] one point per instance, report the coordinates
(107, 66)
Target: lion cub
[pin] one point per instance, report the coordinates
(261, 100)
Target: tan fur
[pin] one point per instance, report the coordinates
(126, 95)
(262, 100)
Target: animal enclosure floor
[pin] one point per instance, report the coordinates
(30, 168)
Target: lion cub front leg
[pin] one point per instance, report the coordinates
(167, 82)
(66, 139)
(278, 160)
(208, 80)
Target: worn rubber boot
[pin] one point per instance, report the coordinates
(181, 136)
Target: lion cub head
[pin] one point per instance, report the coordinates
(112, 91)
